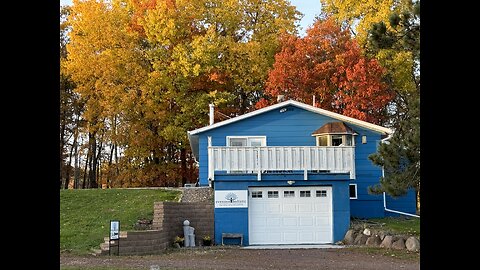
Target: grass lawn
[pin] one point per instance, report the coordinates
(85, 214)
(397, 225)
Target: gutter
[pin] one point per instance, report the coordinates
(384, 195)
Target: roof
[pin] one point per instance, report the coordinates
(193, 138)
(334, 128)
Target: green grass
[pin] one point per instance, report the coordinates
(85, 214)
(397, 225)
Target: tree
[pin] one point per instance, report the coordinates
(400, 157)
(329, 64)
(361, 15)
(70, 107)
(147, 70)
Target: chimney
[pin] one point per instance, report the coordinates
(211, 113)
(280, 98)
(313, 101)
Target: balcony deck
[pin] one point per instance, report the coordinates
(281, 159)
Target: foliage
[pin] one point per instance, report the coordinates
(401, 156)
(360, 15)
(327, 63)
(85, 214)
(206, 237)
(147, 71)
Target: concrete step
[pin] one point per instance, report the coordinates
(104, 246)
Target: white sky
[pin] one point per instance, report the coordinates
(310, 8)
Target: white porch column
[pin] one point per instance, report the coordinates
(211, 168)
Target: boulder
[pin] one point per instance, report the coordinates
(361, 239)
(387, 241)
(412, 244)
(381, 234)
(399, 244)
(367, 232)
(373, 241)
(349, 237)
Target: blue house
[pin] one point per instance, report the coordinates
(291, 173)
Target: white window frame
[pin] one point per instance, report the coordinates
(329, 138)
(356, 191)
(262, 138)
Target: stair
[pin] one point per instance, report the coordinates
(135, 243)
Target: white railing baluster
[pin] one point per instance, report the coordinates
(281, 158)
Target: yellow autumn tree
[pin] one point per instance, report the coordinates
(105, 61)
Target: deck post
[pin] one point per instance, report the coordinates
(211, 172)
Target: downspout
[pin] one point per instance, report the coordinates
(385, 196)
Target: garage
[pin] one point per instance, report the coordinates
(290, 215)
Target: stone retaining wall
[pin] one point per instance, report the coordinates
(169, 216)
(167, 223)
(378, 238)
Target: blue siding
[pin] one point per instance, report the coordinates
(294, 128)
(235, 220)
(405, 203)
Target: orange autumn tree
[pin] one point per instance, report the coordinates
(329, 64)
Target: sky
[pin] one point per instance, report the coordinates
(309, 8)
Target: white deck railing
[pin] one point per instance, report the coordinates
(335, 159)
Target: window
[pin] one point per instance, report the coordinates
(353, 191)
(335, 140)
(256, 194)
(322, 141)
(242, 141)
(321, 193)
(272, 194)
(288, 194)
(364, 139)
(304, 193)
(238, 142)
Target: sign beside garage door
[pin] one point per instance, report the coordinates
(290, 215)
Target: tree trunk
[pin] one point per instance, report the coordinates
(77, 168)
(62, 138)
(85, 170)
(67, 177)
(92, 166)
(183, 157)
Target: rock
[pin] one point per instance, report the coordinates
(373, 241)
(399, 244)
(197, 194)
(412, 244)
(381, 234)
(367, 232)
(387, 242)
(349, 237)
(361, 239)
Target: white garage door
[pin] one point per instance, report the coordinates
(290, 215)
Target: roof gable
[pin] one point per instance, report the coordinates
(307, 107)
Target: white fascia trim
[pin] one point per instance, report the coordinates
(300, 105)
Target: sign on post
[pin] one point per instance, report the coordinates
(114, 229)
(114, 236)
